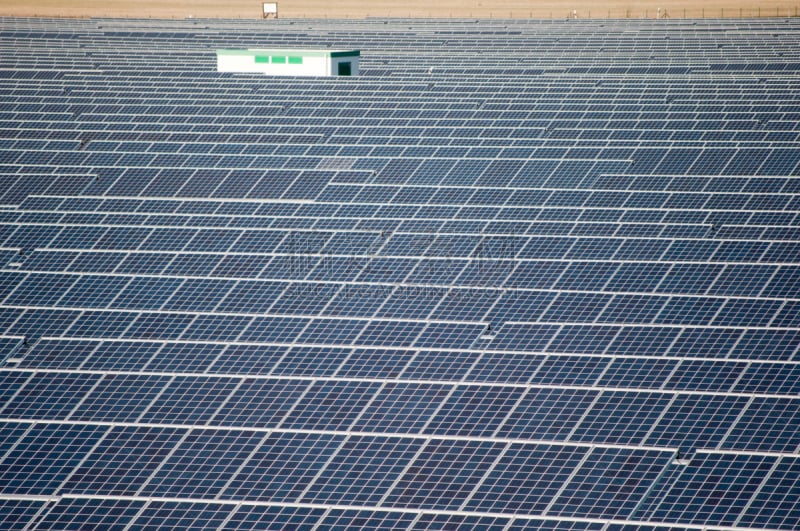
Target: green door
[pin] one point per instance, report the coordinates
(344, 69)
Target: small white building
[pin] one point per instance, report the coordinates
(290, 62)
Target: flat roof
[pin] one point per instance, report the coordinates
(295, 52)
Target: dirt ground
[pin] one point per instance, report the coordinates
(547, 9)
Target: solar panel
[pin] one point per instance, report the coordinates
(518, 274)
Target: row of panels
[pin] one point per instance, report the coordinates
(121, 514)
(467, 366)
(522, 320)
(489, 122)
(400, 179)
(662, 419)
(695, 93)
(347, 212)
(338, 137)
(438, 132)
(397, 472)
(729, 86)
(489, 273)
(319, 222)
(375, 260)
(420, 208)
(324, 137)
(761, 134)
(629, 340)
(459, 327)
(463, 241)
(372, 230)
(689, 169)
(495, 109)
(485, 126)
(247, 176)
(554, 101)
(321, 468)
(72, 513)
(423, 209)
(557, 140)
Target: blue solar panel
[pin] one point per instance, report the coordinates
(517, 274)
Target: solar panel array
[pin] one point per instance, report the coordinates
(517, 275)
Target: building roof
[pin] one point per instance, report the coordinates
(288, 51)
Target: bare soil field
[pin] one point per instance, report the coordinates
(546, 9)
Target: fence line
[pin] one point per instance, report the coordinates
(580, 11)
(699, 12)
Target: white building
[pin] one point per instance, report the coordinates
(290, 62)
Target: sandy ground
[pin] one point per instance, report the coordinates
(397, 8)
